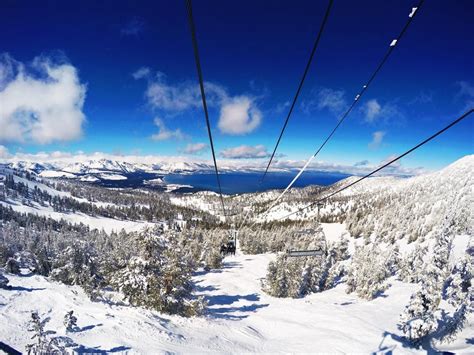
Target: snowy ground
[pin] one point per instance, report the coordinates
(240, 318)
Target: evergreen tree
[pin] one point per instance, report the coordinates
(41, 342)
(70, 322)
(418, 320)
(159, 277)
(460, 281)
(12, 266)
(367, 272)
(412, 265)
(460, 294)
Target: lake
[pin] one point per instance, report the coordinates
(236, 183)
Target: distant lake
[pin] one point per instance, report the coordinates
(236, 183)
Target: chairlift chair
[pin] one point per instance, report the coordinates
(311, 252)
(299, 253)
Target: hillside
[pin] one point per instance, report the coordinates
(390, 231)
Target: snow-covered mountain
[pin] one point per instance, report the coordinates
(104, 169)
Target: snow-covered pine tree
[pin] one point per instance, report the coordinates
(276, 281)
(336, 261)
(460, 280)
(418, 320)
(41, 342)
(367, 272)
(70, 322)
(393, 260)
(211, 257)
(460, 294)
(159, 277)
(12, 266)
(298, 276)
(411, 265)
(78, 264)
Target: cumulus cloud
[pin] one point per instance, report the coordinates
(134, 27)
(4, 154)
(175, 98)
(362, 163)
(466, 93)
(245, 152)
(423, 97)
(195, 148)
(141, 73)
(377, 138)
(42, 107)
(375, 112)
(164, 133)
(326, 98)
(372, 110)
(239, 116)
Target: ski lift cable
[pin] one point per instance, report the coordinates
(300, 86)
(459, 119)
(295, 99)
(203, 95)
(357, 98)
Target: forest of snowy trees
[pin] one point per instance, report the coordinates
(151, 268)
(403, 234)
(95, 201)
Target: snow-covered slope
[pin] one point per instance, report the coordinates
(436, 190)
(241, 319)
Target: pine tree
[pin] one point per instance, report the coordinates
(460, 294)
(159, 277)
(412, 265)
(12, 266)
(70, 322)
(460, 280)
(367, 272)
(41, 344)
(418, 320)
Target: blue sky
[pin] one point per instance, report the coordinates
(118, 77)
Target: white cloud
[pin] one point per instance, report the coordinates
(175, 98)
(141, 73)
(134, 27)
(4, 154)
(326, 98)
(245, 152)
(375, 112)
(466, 93)
(195, 148)
(362, 163)
(239, 116)
(377, 138)
(164, 133)
(372, 110)
(465, 88)
(41, 108)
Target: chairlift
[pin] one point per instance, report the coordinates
(299, 253)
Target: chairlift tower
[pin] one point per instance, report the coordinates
(319, 204)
